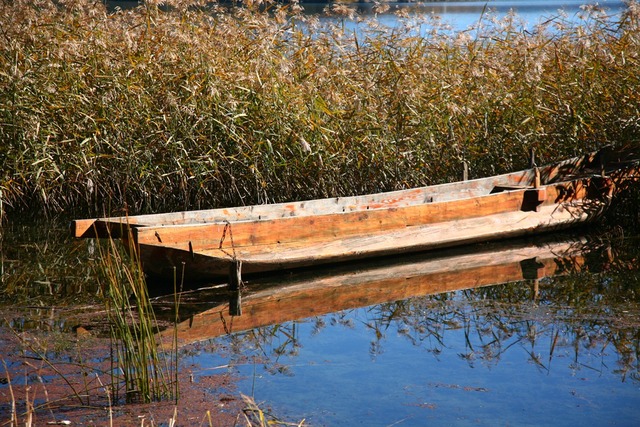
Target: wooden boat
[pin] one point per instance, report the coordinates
(209, 244)
(317, 292)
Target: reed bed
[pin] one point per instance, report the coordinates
(186, 107)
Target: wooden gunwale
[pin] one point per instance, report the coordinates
(158, 260)
(332, 226)
(117, 226)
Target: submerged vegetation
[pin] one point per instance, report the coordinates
(155, 109)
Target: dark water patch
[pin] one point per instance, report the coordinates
(41, 264)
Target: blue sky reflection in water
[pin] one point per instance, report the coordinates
(488, 356)
(457, 15)
(462, 15)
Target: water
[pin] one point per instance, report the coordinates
(456, 15)
(461, 15)
(516, 333)
(345, 375)
(558, 350)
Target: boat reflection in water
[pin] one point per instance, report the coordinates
(300, 295)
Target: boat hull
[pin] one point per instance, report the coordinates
(167, 263)
(231, 242)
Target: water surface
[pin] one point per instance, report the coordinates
(522, 338)
(558, 348)
(456, 15)
(460, 15)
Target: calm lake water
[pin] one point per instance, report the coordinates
(523, 332)
(561, 349)
(460, 15)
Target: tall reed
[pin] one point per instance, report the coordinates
(151, 109)
(139, 364)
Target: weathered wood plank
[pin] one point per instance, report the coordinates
(312, 229)
(400, 198)
(83, 228)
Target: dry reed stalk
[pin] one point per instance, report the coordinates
(13, 421)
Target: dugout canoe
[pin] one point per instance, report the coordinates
(309, 293)
(218, 243)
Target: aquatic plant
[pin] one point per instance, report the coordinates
(161, 109)
(147, 372)
(254, 416)
(48, 374)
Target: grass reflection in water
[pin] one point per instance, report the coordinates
(569, 343)
(556, 351)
